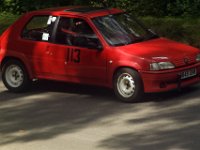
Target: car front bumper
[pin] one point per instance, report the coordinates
(160, 81)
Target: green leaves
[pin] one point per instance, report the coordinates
(182, 29)
(157, 8)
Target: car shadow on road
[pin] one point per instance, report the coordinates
(106, 94)
(53, 109)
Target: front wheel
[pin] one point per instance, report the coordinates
(128, 85)
(14, 76)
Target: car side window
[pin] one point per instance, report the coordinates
(76, 32)
(39, 28)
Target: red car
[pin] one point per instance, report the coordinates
(97, 46)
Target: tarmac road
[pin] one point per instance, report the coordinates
(59, 116)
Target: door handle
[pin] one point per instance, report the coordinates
(49, 51)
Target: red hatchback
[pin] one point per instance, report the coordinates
(97, 46)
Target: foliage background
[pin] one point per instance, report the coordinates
(175, 19)
(139, 7)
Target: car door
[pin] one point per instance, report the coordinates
(76, 52)
(34, 43)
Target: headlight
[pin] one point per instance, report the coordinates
(198, 58)
(161, 66)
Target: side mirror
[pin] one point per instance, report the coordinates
(100, 47)
(89, 41)
(95, 45)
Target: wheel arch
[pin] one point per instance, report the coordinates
(27, 67)
(115, 69)
(120, 67)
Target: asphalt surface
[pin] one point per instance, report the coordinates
(59, 116)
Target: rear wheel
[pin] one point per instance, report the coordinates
(128, 85)
(14, 76)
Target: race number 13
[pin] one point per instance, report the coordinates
(73, 55)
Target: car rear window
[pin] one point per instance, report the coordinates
(39, 28)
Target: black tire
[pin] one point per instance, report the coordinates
(15, 76)
(128, 85)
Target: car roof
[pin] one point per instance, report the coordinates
(84, 11)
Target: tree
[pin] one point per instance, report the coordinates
(138, 7)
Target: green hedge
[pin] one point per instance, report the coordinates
(185, 30)
(138, 7)
(6, 19)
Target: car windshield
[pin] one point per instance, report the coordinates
(122, 29)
